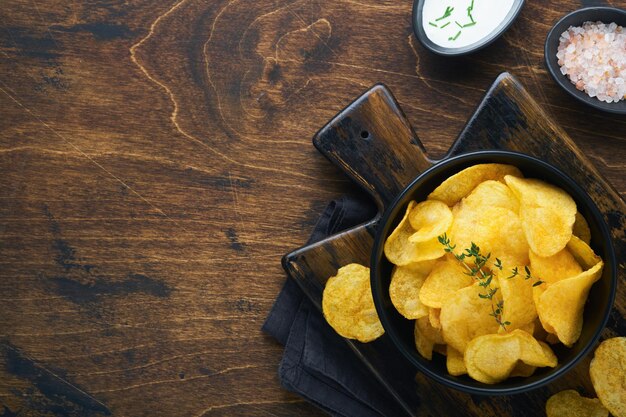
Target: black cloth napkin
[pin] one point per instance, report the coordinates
(317, 364)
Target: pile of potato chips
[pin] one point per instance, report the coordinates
(525, 225)
(608, 376)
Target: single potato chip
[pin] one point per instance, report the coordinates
(452, 190)
(522, 370)
(455, 362)
(492, 194)
(517, 294)
(497, 231)
(400, 251)
(608, 375)
(429, 219)
(569, 403)
(434, 317)
(447, 276)
(547, 214)
(465, 315)
(560, 306)
(551, 269)
(426, 337)
(581, 228)
(492, 358)
(582, 252)
(404, 289)
(348, 305)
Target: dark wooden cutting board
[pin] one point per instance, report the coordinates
(374, 144)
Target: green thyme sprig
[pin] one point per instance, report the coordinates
(527, 275)
(478, 271)
(484, 276)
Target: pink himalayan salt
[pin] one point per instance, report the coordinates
(594, 58)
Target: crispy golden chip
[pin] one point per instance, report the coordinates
(400, 251)
(466, 315)
(495, 230)
(569, 403)
(547, 214)
(523, 370)
(583, 254)
(455, 362)
(517, 294)
(434, 318)
(491, 358)
(404, 289)
(608, 375)
(581, 228)
(492, 194)
(551, 269)
(446, 277)
(440, 348)
(348, 305)
(452, 190)
(426, 337)
(429, 219)
(429, 331)
(560, 306)
(552, 339)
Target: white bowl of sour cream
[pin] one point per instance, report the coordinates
(458, 27)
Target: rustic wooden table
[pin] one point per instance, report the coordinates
(156, 162)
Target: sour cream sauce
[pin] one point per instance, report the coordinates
(458, 29)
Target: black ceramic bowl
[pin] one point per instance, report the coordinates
(418, 29)
(597, 309)
(577, 18)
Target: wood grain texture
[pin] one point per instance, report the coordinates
(156, 163)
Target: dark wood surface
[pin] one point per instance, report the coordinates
(156, 163)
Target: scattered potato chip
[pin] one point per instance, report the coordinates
(492, 194)
(581, 228)
(491, 358)
(404, 289)
(569, 403)
(348, 305)
(400, 251)
(496, 230)
(455, 362)
(551, 269)
(561, 305)
(466, 315)
(446, 277)
(453, 189)
(426, 337)
(547, 214)
(608, 375)
(517, 294)
(429, 219)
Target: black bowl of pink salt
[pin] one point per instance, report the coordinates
(585, 53)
